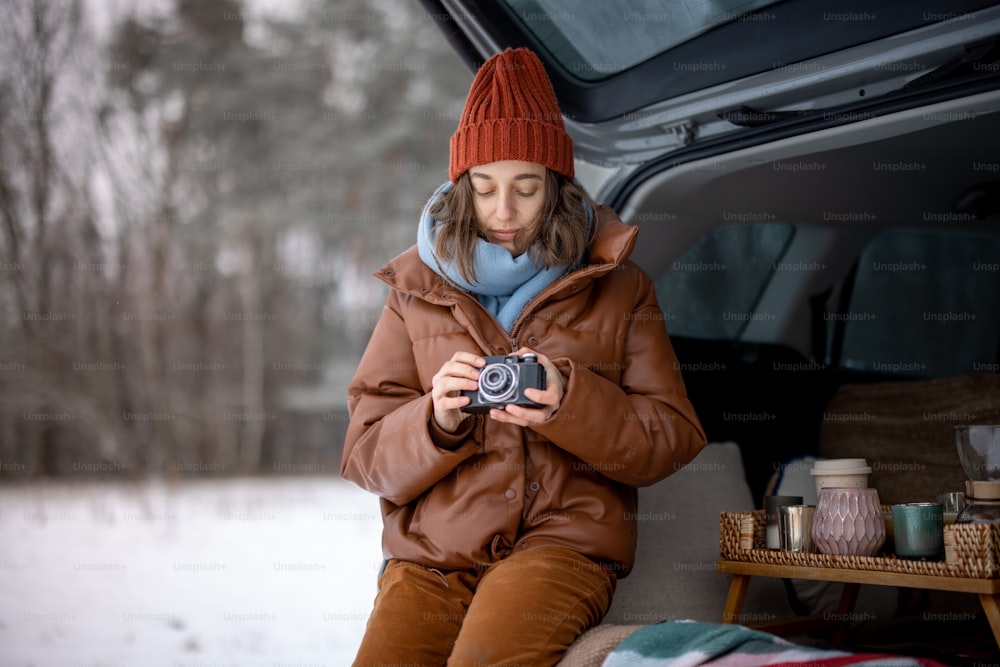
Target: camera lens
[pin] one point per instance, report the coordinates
(497, 383)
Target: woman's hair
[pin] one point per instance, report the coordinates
(560, 235)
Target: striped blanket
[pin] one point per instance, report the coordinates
(689, 644)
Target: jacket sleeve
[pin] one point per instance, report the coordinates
(389, 448)
(642, 430)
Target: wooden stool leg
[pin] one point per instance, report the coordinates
(734, 600)
(991, 605)
(848, 598)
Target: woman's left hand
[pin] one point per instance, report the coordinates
(549, 398)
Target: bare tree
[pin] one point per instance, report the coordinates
(42, 202)
(189, 220)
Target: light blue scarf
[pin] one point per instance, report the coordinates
(504, 283)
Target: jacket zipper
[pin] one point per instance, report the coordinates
(539, 298)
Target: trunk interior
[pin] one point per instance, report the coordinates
(932, 172)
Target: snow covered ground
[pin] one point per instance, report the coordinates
(208, 573)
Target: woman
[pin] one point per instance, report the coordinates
(505, 531)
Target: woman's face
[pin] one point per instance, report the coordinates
(508, 196)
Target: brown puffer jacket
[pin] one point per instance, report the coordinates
(464, 500)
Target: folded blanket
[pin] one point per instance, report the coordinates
(689, 643)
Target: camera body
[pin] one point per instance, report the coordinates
(502, 381)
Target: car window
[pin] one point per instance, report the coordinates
(598, 39)
(710, 291)
(924, 303)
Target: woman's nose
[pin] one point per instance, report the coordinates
(505, 211)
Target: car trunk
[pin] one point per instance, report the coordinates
(825, 129)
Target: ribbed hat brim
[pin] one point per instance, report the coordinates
(511, 139)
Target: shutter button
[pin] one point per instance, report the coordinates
(510, 494)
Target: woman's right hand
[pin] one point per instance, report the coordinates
(460, 373)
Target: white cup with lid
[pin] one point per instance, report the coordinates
(841, 473)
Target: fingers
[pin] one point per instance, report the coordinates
(448, 402)
(554, 385)
(461, 364)
(445, 385)
(549, 398)
(461, 373)
(521, 416)
(552, 395)
(458, 374)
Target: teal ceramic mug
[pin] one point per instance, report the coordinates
(918, 530)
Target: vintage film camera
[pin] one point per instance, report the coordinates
(503, 381)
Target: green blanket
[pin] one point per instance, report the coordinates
(689, 644)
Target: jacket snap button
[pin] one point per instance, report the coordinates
(532, 341)
(534, 486)
(510, 494)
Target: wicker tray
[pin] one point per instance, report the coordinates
(971, 551)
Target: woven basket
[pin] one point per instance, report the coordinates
(971, 551)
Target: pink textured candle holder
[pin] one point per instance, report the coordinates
(848, 522)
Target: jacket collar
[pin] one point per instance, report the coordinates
(613, 243)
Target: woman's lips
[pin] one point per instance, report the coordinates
(504, 234)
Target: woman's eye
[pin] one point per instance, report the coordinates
(483, 194)
(527, 194)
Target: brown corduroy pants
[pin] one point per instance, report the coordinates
(524, 610)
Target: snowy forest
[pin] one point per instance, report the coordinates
(193, 197)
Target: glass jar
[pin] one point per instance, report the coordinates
(982, 503)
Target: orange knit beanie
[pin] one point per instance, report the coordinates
(511, 113)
